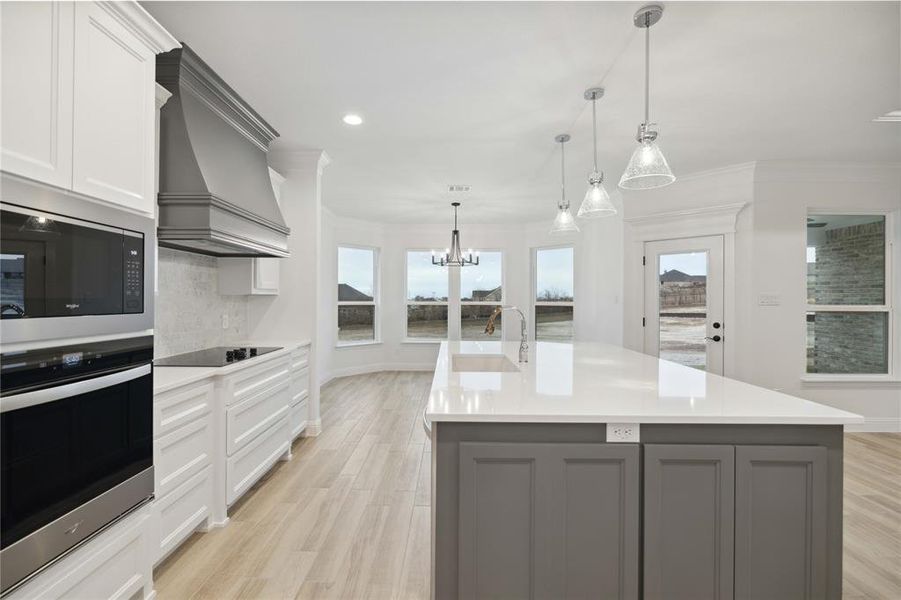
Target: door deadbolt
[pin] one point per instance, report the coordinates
(716, 325)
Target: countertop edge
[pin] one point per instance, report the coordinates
(194, 374)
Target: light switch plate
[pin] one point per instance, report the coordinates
(769, 300)
(623, 432)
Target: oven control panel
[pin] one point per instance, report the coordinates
(134, 274)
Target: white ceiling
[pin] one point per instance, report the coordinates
(474, 92)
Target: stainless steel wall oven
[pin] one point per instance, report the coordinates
(76, 446)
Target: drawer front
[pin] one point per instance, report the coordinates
(300, 385)
(300, 359)
(251, 381)
(250, 418)
(174, 409)
(178, 514)
(114, 565)
(181, 454)
(253, 460)
(299, 416)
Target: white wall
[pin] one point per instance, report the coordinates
(767, 344)
(598, 283)
(783, 195)
(293, 314)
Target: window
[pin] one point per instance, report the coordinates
(357, 268)
(426, 297)
(553, 299)
(481, 290)
(848, 296)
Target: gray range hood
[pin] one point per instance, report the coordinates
(215, 194)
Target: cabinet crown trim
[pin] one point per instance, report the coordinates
(141, 24)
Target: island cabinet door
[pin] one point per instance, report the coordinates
(543, 520)
(688, 521)
(780, 522)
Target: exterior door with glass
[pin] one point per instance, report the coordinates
(683, 298)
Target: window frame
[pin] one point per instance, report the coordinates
(376, 287)
(887, 307)
(533, 289)
(407, 302)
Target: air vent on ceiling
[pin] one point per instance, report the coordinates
(458, 188)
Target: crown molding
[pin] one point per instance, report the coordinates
(826, 172)
(286, 161)
(162, 95)
(691, 222)
(137, 20)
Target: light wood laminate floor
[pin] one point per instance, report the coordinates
(348, 516)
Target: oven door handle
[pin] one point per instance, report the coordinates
(36, 397)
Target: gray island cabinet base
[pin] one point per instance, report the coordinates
(692, 512)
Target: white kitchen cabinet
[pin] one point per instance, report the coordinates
(178, 514)
(114, 120)
(78, 97)
(248, 276)
(114, 565)
(253, 460)
(299, 412)
(36, 91)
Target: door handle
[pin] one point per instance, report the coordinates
(715, 338)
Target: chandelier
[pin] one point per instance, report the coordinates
(453, 256)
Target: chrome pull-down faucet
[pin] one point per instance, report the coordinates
(524, 342)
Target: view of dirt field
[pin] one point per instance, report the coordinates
(682, 337)
(551, 327)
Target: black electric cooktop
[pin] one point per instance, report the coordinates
(215, 357)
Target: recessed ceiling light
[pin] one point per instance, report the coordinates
(352, 119)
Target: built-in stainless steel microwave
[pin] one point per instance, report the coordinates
(73, 270)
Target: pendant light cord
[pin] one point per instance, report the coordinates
(563, 204)
(594, 129)
(647, 67)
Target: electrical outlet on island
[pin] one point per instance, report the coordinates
(623, 432)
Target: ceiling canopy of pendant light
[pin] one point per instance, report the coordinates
(563, 223)
(647, 167)
(453, 256)
(597, 201)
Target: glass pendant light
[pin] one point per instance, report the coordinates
(454, 256)
(647, 168)
(564, 223)
(597, 201)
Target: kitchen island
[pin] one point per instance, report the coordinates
(596, 471)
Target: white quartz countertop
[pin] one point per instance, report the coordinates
(170, 378)
(599, 383)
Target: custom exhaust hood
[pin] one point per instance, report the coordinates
(215, 193)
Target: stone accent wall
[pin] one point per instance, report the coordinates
(189, 307)
(849, 269)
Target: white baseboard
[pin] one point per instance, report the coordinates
(876, 425)
(376, 368)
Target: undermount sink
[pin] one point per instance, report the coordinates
(491, 363)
